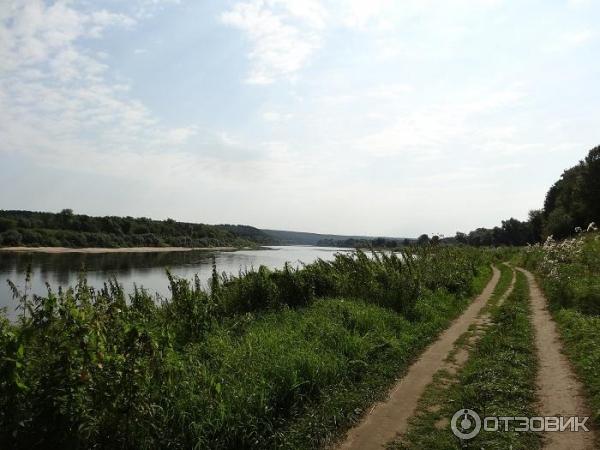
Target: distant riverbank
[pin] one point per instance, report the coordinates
(111, 250)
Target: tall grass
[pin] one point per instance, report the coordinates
(569, 272)
(244, 364)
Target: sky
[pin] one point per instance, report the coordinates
(374, 117)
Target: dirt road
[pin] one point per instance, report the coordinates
(388, 419)
(559, 391)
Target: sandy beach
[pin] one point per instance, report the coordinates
(110, 250)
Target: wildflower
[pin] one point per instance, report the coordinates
(578, 230)
(592, 227)
(549, 241)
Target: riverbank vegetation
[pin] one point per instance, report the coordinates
(379, 243)
(270, 358)
(569, 272)
(65, 229)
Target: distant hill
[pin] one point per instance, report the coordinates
(303, 238)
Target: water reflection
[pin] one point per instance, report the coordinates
(143, 269)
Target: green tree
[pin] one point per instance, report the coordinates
(591, 186)
(7, 224)
(560, 223)
(11, 238)
(423, 239)
(461, 238)
(536, 221)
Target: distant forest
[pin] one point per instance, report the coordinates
(572, 203)
(379, 242)
(66, 229)
(333, 240)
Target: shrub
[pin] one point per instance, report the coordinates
(11, 238)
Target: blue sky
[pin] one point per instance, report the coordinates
(356, 117)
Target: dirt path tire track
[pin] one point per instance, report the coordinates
(389, 418)
(559, 390)
(511, 286)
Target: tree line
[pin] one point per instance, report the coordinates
(66, 229)
(571, 205)
(379, 242)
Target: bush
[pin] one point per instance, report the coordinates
(570, 271)
(31, 238)
(11, 238)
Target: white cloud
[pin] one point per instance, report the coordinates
(391, 90)
(427, 132)
(577, 3)
(577, 38)
(58, 103)
(274, 116)
(570, 40)
(389, 15)
(283, 36)
(311, 11)
(181, 135)
(359, 13)
(144, 9)
(35, 32)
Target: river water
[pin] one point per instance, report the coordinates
(143, 269)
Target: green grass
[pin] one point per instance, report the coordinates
(482, 279)
(497, 380)
(325, 422)
(313, 371)
(286, 358)
(506, 276)
(581, 337)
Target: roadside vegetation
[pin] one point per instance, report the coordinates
(65, 229)
(269, 358)
(498, 379)
(569, 271)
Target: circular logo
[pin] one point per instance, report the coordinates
(465, 424)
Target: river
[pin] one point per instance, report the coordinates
(143, 269)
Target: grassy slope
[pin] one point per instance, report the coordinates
(498, 379)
